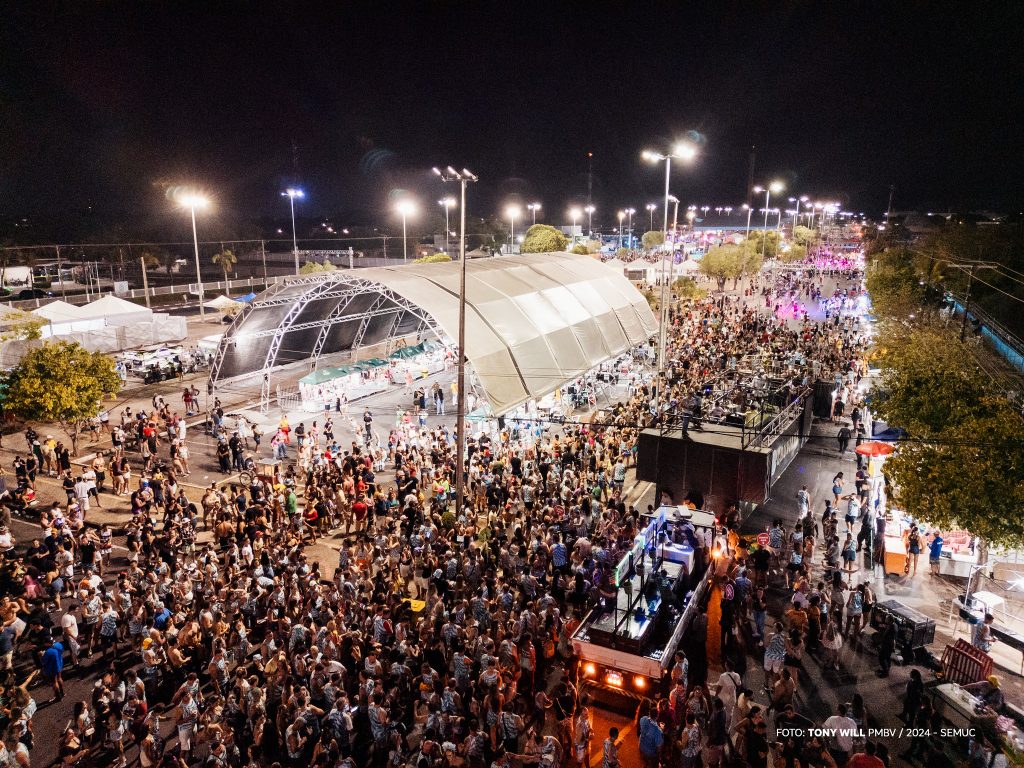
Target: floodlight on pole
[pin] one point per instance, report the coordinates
(651, 208)
(574, 213)
(686, 152)
(776, 187)
(192, 201)
(405, 207)
(621, 215)
(533, 208)
(512, 212)
(447, 203)
(589, 210)
(292, 193)
(463, 178)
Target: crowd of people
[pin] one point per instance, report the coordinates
(442, 636)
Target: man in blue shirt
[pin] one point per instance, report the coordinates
(651, 738)
(934, 553)
(52, 665)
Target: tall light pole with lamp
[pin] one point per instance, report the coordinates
(630, 212)
(589, 210)
(292, 193)
(405, 208)
(446, 203)
(651, 208)
(750, 210)
(684, 151)
(533, 208)
(574, 213)
(512, 212)
(193, 200)
(776, 187)
(463, 177)
(621, 215)
(796, 214)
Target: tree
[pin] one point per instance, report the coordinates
(723, 262)
(804, 236)
(226, 259)
(434, 258)
(580, 249)
(542, 238)
(622, 253)
(686, 289)
(61, 382)
(766, 241)
(793, 253)
(893, 283)
(150, 259)
(653, 239)
(311, 267)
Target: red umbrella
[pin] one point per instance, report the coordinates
(874, 448)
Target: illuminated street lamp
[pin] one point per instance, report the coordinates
(749, 211)
(574, 213)
(291, 193)
(446, 203)
(405, 207)
(533, 208)
(450, 174)
(776, 187)
(651, 208)
(705, 209)
(621, 215)
(512, 212)
(796, 213)
(630, 212)
(686, 152)
(589, 210)
(193, 200)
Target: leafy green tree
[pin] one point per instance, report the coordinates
(61, 382)
(686, 289)
(766, 242)
(150, 259)
(580, 249)
(434, 258)
(225, 259)
(329, 266)
(724, 262)
(804, 236)
(893, 283)
(653, 239)
(311, 267)
(794, 253)
(542, 238)
(622, 253)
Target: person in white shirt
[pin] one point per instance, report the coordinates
(69, 625)
(842, 728)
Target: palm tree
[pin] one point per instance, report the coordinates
(226, 259)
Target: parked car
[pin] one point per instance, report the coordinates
(34, 293)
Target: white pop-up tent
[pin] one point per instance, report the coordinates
(117, 311)
(64, 318)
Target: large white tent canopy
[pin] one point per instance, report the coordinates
(533, 322)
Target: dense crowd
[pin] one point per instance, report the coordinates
(442, 636)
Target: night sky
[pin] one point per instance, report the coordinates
(109, 103)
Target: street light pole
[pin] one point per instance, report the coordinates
(405, 207)
(686, 152)
(574, 213)
(450, 174)
(651, 207)
(447, 203)
(533, 208)
(512, 212)
(292, 193)
(621, 215)
(193, 200)
(590, 219)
